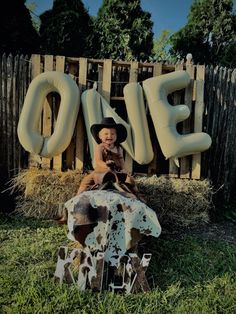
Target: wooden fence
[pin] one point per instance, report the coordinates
(111, 77)
(216, 116)
(219, 162)
(15, 76)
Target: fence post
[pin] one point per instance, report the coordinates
(34, 160)
(173, 169)
(79, 143)
(47, 111)
(106, 83)
(70, 150)
(185, 162)
(152, 167)
(198, 117)
(133, 77)
(60, 67)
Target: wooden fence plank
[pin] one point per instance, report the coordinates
(10, 141)
(21, 96)
(70, 151)
(173, 169)
(60, 67)
(47, 111)
(229, 192)
(15, 115)
(207, 109)
(60, 63)
(106, 83)
(83, 65)
(228, 166)
(100, 79)
(133, 77)
(80, 126)
(133, 74)
(185, 162)
(198, 117)
(34, 160)
(152, 167)
(26, 79)
(210, 108)
(218, 123)
(222, 172)
(36, 65)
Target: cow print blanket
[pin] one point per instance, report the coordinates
(109, 221)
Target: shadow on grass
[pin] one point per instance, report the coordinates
(16, 221)
(187, 260)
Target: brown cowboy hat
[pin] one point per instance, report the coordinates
(109, 123)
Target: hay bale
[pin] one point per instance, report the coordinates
(42, 191)
(177, 202)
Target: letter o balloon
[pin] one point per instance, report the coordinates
(28, 131)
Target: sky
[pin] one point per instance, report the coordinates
(165, 14)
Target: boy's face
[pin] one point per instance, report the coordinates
(108, 136)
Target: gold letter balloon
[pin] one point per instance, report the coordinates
(28, 126)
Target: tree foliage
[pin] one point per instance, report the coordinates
(210, 33)
(66, 29)
(17, 34)
(161, 46)
(31, 6)
(123, 30)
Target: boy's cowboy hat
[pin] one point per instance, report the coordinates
(109, 123)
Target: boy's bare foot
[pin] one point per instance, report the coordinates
(62, 221)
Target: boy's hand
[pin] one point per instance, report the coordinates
(111, 164)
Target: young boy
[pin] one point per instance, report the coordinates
(109, 160)
(108, 156)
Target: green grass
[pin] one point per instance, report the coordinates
(187, 275)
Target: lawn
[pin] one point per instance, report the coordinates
(187, 274)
